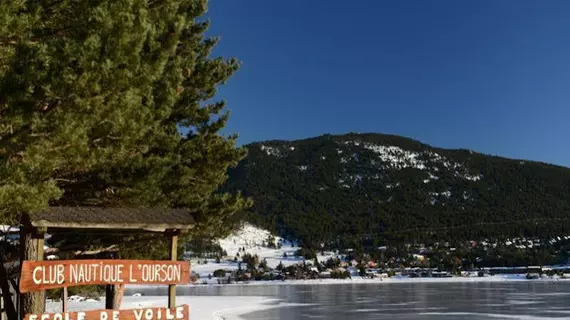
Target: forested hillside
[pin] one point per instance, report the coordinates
(336, 189)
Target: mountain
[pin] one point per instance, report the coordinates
(340, 189)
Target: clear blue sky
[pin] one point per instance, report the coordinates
(492, 76)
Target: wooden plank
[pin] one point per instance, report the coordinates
(37, 276)
(112, 226)
(40, 257)
(173, 257)
(179, 313)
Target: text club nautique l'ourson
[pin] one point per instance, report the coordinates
(108, 273)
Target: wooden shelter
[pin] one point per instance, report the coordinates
(170, 222)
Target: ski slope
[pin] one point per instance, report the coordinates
(252, 239)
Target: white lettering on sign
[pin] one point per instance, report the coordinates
(103, 272)
(179, 313)
(131, 273)
(152, 314)
(162, 273)
(82, 273)
(42, 275)
(60, 316)
(48, 274)
(96, 272)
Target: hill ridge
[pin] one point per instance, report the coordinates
(325, 189)
(414, 140)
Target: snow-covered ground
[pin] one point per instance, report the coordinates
(252, 239)
(201, 307)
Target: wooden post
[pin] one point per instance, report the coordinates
(64, 300)
(114, 296)
(173, 235)
(110, 297)
(111, 294)
(32, 249)
(114, 293)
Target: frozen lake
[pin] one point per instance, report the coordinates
(539, 300)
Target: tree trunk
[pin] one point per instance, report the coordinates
(114, 296)
(8, 303)
(32, 248)
(120, 292)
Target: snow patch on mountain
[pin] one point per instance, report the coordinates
(476, 177)
(390, 186)
(431, 177)
(255, 241)
(388, 157)
(446, 194)
(271, 151)
(397, 158)
(249, 237)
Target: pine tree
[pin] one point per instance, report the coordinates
(94, 96)
(263, 265)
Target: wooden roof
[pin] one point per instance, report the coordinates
(147, 219)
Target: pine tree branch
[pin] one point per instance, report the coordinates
(40, 135)
(111, 248)
(153, 3)
(12, 41)
(65, 146)
(8, 41)
(47, 8)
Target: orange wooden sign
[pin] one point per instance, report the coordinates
(42, 275)
(178, 313)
